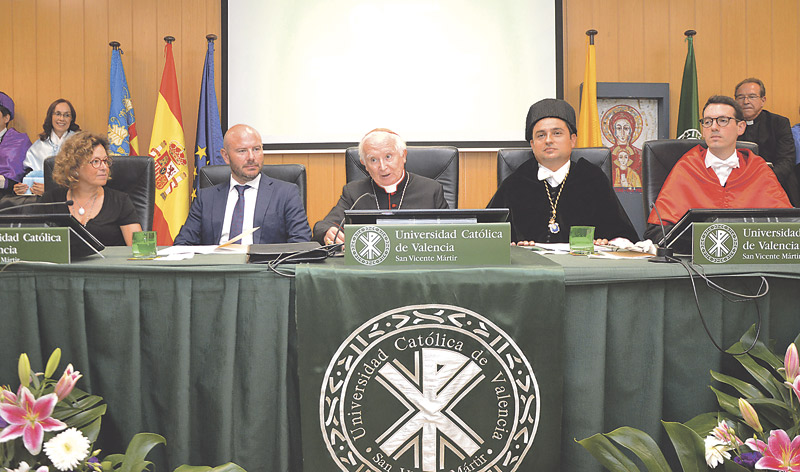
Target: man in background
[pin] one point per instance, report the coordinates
(249, 200)
(771, 132)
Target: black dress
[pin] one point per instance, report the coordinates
(587, 200)
(117, 210)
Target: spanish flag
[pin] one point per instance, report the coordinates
(168, 149)
(589, 118)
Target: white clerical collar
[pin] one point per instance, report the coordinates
(393, 187)
(749, 122)
(722, 167)
(554, 178)
(252, 183)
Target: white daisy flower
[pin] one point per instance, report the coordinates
(68, 449)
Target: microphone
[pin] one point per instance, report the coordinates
(341, 223)
(663, 254)
(67, 203)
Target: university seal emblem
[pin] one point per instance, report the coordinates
(429, 388)
(718, 243)
(369, 245)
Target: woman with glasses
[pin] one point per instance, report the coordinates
(82, 168)
(59, 124)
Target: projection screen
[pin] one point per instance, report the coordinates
(311, 74)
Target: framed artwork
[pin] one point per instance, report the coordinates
(631, 113)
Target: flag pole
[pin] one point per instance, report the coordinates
(588, 117)
(688, 109)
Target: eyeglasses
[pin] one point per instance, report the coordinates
(66, 115)
(722, 121)
(751, 97)
(97, 162)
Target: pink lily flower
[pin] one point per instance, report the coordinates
(796, 386)
(749, 415)
(779, 453)
(724, 433)
(791, 363)
(30, 419)
(67, 382)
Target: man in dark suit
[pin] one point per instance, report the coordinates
(771, 132)
(388, 187)
(249, 200)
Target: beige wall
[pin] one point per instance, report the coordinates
(60, 49)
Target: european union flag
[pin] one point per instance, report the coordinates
(122, 137)
(209, 130)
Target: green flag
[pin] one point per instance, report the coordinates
(688, 111)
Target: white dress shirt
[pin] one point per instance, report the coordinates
(722, 167)
(553, 177)
(250, 196)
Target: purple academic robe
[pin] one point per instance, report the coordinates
(12, 152)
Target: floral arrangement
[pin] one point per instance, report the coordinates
(755, 430)
(50, 425)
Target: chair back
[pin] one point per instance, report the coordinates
(658, 158)
(439, 163)
(509, 159)
(208, 176)
(134, 175)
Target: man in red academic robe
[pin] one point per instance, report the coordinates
(718, 177)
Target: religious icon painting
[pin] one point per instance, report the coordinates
(626, 124)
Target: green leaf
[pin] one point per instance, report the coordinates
(727, 402)
(138, 449)
(731, 466)
(703, 423)
(643, 446)
(746, 389)
(760, 373)
(92, 430)
(689, 446)
(760, 350)
(85, 417)
(607, 454)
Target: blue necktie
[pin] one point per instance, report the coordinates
(238, 213)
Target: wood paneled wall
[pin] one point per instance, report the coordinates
(59, 48)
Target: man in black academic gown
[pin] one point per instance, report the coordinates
(388, 187)
(549, 195)
(771, 132)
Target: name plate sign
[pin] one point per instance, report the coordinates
(34, 245)
(746, 243)
(424, 244)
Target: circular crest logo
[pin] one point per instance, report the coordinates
(718, 243)
(429, 388)
(369, 245)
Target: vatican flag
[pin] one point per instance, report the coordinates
(168, 149)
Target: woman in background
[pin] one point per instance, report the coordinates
(82, 169)
(59, 124)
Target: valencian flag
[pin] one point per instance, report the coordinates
(688, 111)
(168, 149)
(589, 117)
(209, 130)
(122, 137)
